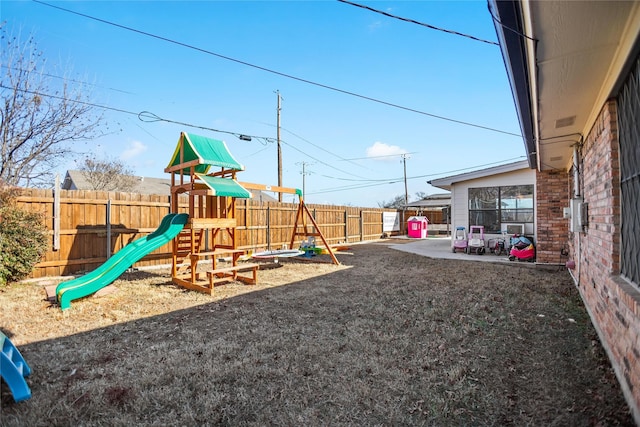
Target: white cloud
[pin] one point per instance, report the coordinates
(134, 149)
(382, 151)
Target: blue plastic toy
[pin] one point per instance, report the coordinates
(14, 369)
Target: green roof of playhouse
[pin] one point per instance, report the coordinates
(225, 187)
(205, 151)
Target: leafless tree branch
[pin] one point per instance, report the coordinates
(40, 119)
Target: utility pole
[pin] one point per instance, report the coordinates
(406, 192)
(279, 150)
(304, 173)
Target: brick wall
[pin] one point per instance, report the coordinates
(612, 302)
(552, 229)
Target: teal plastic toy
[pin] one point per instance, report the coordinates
(92, 282)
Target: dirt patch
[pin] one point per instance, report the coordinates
(387, 338)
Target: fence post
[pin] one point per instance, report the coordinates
(346, 226)
(268, 228)
(361, 225)
(56, 214)
(403, 223)
(108, 216)
(248, 222)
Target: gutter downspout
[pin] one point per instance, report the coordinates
(576, 172)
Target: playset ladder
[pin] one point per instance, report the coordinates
(14, 369)
(188, 242)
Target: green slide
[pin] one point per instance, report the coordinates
(120, 261)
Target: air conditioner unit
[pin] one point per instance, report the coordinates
(515, 228)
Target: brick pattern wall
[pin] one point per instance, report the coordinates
(601, 189)
(552, 197)
(612, 302)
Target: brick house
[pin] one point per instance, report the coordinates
(574, 70)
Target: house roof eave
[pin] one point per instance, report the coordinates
(509, 24)
(446, 182)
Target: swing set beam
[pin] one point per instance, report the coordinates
(300, 215)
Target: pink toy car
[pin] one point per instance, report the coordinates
(522, 249)
(460, 240)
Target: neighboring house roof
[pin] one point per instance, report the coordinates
(261, 196)
(75, 180)
(446, 182)
(204, 152)
(432, 201)
(564, 59)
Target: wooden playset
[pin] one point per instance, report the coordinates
(205, 170)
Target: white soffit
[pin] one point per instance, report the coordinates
(580, 51)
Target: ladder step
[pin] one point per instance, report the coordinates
(20, 368)
(8, 350)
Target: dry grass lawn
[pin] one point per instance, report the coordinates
(387, 338)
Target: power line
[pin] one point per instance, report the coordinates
(322, 149)
(268, 139)
(77, 101)
(371, 182)
(257, 152)
(67, 79)
(497, 21)
(320, 161)
(420, 23)
(499, 162)
(375, 182)
(289, 76)
(151, 117)
(351, 187)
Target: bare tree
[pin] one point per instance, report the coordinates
(108, 175)
(396, 203)
(421, 195)
(41, 116)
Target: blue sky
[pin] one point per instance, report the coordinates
(351, 147)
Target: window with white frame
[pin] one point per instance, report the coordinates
(495, 207)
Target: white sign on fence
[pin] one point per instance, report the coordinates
(390, 221)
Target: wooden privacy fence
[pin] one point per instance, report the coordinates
(89, 226)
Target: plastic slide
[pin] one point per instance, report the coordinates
(13, 369)
(92, 282)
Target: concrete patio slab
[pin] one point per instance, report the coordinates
(440, 248)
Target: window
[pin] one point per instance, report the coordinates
(494, 206)
(484, 208)
(629, 135)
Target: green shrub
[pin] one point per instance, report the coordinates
(23, 239)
